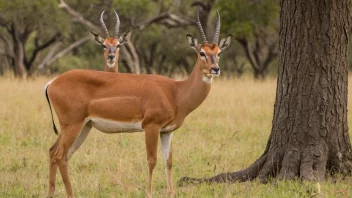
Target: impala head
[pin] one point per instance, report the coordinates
(209, 54)
(111, 45)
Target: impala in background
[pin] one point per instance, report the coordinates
(111, 45)
(118, 102)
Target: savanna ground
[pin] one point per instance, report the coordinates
(226, 133)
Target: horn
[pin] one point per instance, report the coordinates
(217, 29)
(200, 28)
(117, 26)
(103, 24)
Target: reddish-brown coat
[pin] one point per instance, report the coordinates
(156, 101)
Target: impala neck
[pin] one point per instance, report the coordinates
(114, 69)
(193, 91)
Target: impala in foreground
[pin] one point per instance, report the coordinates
(118, 102)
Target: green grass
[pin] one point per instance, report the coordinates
(226, 133)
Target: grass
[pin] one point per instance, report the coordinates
(226, 133)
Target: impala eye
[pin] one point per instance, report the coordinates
(104, 46)
(219, 54)
(118, 46)
(202, 54)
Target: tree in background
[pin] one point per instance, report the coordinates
(50, 30)
(29, 31)
(309, 137)
(253, 24)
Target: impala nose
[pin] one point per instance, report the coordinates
(215, 70)
(111, 57)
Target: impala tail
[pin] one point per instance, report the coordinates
(51, 111)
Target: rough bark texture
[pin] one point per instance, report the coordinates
(309, 137)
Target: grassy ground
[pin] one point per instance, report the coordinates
(226, 133)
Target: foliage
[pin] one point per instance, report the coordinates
(241, 17)
(167, 46)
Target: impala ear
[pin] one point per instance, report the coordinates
(225, 42)
(95, 37)
(124, 37)
(193, 43)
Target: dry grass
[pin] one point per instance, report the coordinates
(227, 133)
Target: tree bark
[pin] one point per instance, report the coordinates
(309, 137)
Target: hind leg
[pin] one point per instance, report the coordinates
(67, 138)
(53, 168)
(80, 139)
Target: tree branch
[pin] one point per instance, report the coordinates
(272, 53)
(5, 24)
(50, 57)
(77, 17)
(131, 58)
(27, 31)
(40, 48)
(7, 46)
(168, 19)
(245, 44)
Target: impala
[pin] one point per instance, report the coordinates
(118, 102)
(111, 45)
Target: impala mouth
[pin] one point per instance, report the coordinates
(214, 72)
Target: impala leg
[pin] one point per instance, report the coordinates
(79, 140)
(151, 141)
(53, 168)
(68, 136)
(165, 140)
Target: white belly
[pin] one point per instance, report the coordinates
(111, 126)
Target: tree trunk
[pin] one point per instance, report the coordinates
(309, 137)
(18, 66)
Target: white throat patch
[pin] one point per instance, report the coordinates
(112, 65)
(207, 79)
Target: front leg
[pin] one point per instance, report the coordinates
(165, 140)
(151, 141)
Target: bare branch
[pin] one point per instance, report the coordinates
(78, 17)
(168, 19)
(50, 57)
(130, 58)
(245, 44)
(40, 48)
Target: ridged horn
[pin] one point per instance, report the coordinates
(217, 29)
(200, 28)
(103, 24)
(117, 26)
